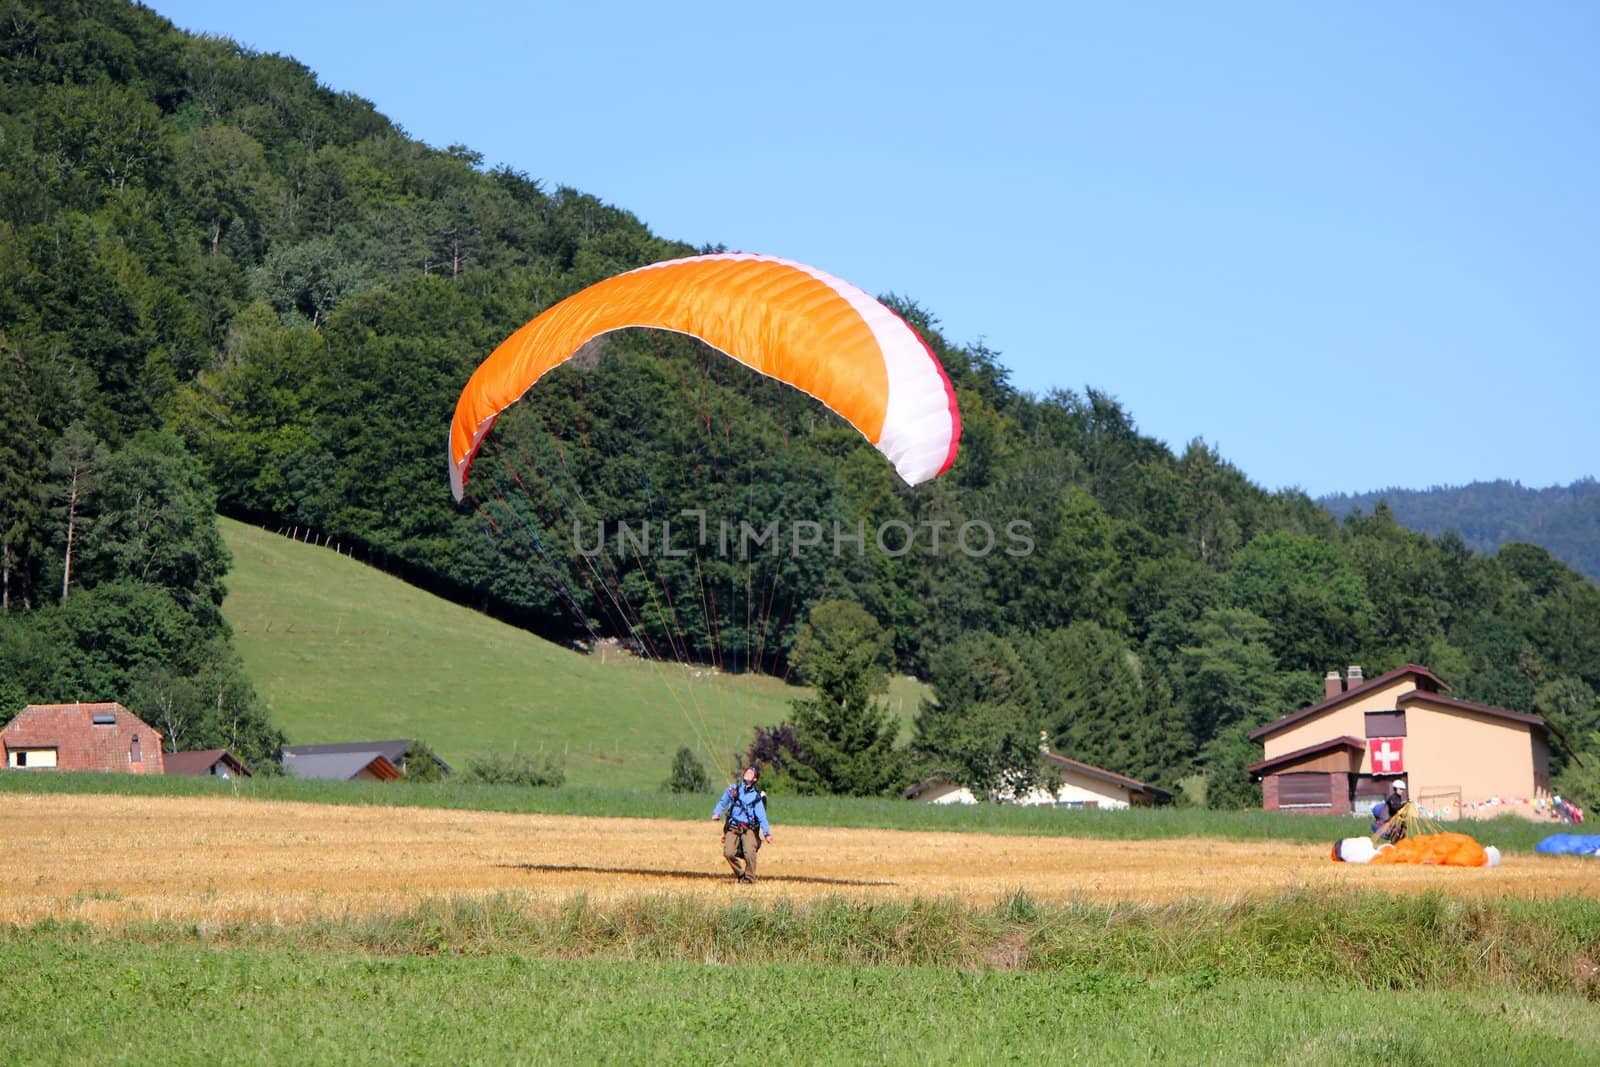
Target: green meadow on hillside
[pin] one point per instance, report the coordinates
(344, 652)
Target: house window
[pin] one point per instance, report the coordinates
(32, 758)
(1386, 724)
(105, 718)
(1305, 789)
(133, 750)
(1370, 788)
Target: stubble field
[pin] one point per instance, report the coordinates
(133, 927)
(110, 860)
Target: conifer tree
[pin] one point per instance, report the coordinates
(846, 730)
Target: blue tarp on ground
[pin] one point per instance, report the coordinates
(1570, 845)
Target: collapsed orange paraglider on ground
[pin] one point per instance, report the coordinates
(1445, 850)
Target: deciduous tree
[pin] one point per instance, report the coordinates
(76, 468)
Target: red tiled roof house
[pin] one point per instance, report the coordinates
(81, 737)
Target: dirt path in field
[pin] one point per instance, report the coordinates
(104, 859)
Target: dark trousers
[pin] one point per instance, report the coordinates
(745, 843)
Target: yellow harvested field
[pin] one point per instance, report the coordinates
(109, 860)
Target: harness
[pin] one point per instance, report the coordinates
(741, 814)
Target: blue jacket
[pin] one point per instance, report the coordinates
(743, 803)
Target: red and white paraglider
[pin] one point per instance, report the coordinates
(792, 322)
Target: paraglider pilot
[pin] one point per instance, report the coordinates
(745, 826)
(1384, 813)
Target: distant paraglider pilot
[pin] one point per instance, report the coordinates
(1387, 823)
(743, 808)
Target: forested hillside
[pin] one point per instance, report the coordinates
(1565, 519)
(227, 284)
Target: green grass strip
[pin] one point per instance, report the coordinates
(1368, 940)
(79, 1001)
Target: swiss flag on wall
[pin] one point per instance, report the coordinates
(1388, 755)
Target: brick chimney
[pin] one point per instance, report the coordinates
(1353, 676)
(1332, 685)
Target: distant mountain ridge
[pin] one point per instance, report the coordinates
(1564, 519)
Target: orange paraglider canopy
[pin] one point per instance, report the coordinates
(1445, 850)
(787, 320)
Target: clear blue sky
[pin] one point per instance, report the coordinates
(1351, 245)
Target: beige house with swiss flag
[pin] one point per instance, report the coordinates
(1456, 758)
